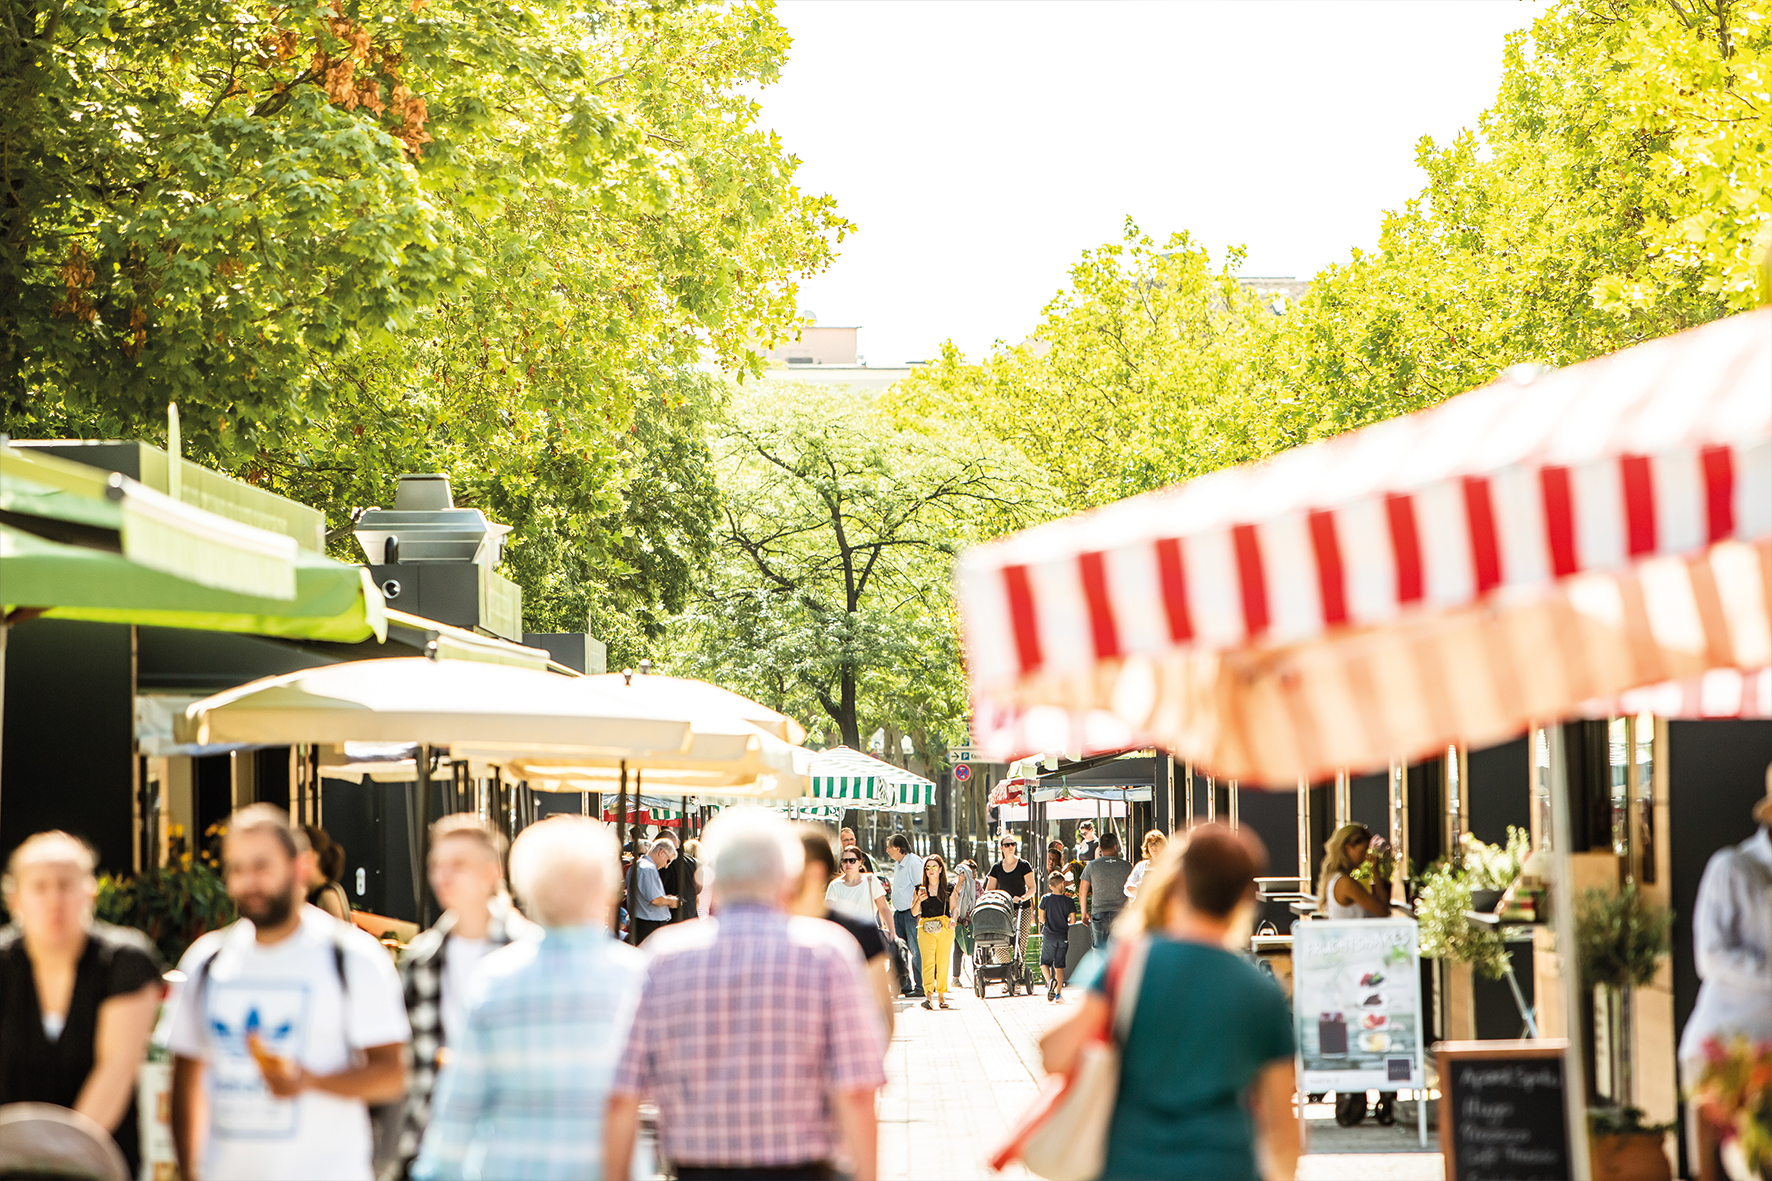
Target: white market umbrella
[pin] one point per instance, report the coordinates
(436, 703)
(735, 746)
(723, 758)
(702, 697)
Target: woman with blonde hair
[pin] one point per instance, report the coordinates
(78, 997)
(1153, 844)
(1338, 894)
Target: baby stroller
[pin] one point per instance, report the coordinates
(997, 953)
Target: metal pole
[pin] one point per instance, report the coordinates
(621, 810)
(1399, 814)
(1304, 834)
(1568, 970)
(1168, 824)
(421, 839)
(634, 871)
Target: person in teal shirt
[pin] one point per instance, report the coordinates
(1208, 1067)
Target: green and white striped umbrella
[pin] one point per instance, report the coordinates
(848, 775)
(913, 793)
(862, 781)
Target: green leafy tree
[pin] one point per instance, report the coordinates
(829, 592)
(1148, 368)
(1618, 189)
(598, 208)
(1614, 192)
(201, 197)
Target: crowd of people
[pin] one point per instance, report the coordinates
(507, 1042)
(522, 1040)
(519, 1040)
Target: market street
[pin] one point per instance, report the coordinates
(956, 1080)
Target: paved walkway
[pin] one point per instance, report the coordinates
(955, 1081)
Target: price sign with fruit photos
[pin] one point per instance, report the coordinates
(1356, 995)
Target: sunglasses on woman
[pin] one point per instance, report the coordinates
(851, 861)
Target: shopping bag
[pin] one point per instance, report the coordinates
(1063, 1136)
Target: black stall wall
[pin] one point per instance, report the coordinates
(213, 785)
(69, 737)
(1716, 770)
(1273, 817)
(1369, 802)
(1322, 827)
(1586, 746)
(1499, 791)
(355, 817)
(270, 780)
(1426, 786)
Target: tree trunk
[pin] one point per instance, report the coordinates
(846, 709)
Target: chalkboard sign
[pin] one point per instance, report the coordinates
(1502, 1116)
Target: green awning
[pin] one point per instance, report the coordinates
(62, 501)
(332, 601)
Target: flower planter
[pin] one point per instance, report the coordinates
(1630, 1156)
(1485, 901)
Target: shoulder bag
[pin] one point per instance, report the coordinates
(1063, 1136)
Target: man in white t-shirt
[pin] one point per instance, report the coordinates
(289, 1020)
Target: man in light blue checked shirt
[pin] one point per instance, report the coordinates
(526, 1087)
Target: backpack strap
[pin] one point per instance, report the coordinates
(344, 983)
(199, 981)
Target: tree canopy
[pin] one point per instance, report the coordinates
(410, 235)
(1613, 193)
(1618, 189)
(828, 591)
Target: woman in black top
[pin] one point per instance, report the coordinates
(1015, 878)
(934, 903)
(78, 998)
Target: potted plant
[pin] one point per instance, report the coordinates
(1624, 1148)
(1446, 894)
(172, 904)
(1620, 940)
(1734, 1095)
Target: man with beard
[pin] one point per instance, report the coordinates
(291, 1021)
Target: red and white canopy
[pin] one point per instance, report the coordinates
(1450, 576)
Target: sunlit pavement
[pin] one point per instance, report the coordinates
(955, 1080)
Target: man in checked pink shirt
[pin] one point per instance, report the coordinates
(756, 1034)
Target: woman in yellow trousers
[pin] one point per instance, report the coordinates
(934, 901)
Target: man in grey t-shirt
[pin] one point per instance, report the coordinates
(1103, 891)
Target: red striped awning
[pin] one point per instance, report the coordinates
(1010, 791)
(1449, 576)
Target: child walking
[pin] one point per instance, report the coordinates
(1056, 912)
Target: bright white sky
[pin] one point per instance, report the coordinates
(982, 145)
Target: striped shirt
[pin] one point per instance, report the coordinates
(747, 1023)
(527, 1083)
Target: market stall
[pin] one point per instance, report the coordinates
(1453, 577)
